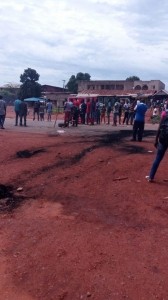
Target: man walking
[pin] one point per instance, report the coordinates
(161, 143)
(2, 112)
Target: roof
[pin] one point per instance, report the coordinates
(161, 93)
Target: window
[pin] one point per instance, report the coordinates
(138, 87)
(119, 87)
(102, 87)
(145, 87)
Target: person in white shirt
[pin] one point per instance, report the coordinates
(49, 110)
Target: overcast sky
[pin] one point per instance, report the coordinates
(109, 39)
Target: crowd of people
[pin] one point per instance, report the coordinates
(91, 112)
(39, 110)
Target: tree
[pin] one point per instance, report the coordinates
(72, 84)
(83, 76)
(132, 78)
(12, 86)
(29, 87)
(10, 91)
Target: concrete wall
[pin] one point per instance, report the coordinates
(120, 85)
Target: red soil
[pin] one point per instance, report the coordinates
(88, 225)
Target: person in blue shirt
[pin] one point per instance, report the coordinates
(16, 108)
(139, 121)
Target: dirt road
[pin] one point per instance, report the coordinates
(84, 223)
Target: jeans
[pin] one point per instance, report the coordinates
(161, 149)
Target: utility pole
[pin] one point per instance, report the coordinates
(63, 83)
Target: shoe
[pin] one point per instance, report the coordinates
(2, 127)
(149, 179)
(133, 140)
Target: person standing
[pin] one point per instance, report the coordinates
(161, 143)
(132, 113)
(41, 112)
(120, 112)
(139, 122)
(103, 114)
(92, 111)
(109, 109)
(97, 113)
(49, 110)
(2, 112)
(88, 110)
(16, 108)
(126, 108)
(115, 112)
(23, 112)
(68, 105)
(83, 111)
(36, 110)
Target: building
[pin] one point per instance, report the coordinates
(51, 89)
(56, 94)
(104, 89)
(120, 85)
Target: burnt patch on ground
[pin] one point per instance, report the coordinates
(80, 155)
(9, 200)
(133, 149)
(117, 139)
(29, 153)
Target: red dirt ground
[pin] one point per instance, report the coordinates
(86, 224)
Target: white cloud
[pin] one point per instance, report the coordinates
(110, 39)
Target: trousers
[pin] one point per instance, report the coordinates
(161, 149)
(138, 129)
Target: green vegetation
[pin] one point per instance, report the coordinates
(29, 87)
(72, 84)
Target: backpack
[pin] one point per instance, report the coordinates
(163, 136)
